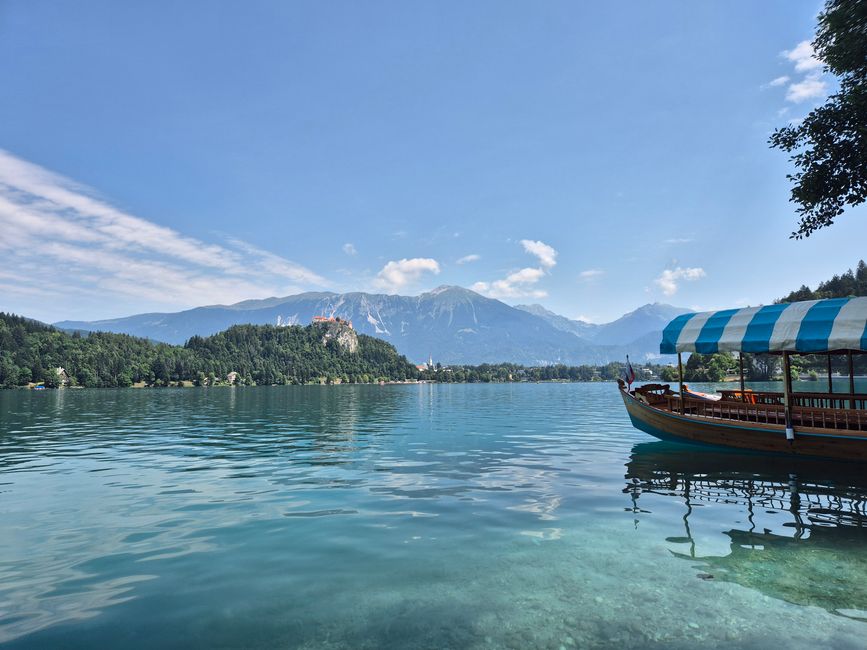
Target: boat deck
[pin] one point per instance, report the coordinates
(838, 412)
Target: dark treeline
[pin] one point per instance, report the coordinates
(504, 372)
(763, 367)
(849, 284)
(32, 352)
(297, 355)
(716, 367)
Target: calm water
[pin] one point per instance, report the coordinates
(470, 516)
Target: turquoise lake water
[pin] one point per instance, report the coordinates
(426, 516)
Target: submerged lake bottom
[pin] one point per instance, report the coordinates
(414, 516)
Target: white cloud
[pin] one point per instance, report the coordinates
(810, 87)
(679, 240)
(466, 259)
(397, 274)
(589, 274)
(803, 56)
(527, 275)
(520, 284)
(813, 84)
(779, 81)
(278, 266)
(349, 249)
(668, 279)
(57, 235)
(547, 255)
(515, 285)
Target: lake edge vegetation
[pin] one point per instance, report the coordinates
(34, 353)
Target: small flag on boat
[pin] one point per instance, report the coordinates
(628, 372)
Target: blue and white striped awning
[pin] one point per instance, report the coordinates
(809, 326)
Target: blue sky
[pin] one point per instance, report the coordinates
(591, 158)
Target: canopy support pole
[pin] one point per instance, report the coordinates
(787, 397)
(830, 382)
(680, 378)
(851, 380)
(741, 367)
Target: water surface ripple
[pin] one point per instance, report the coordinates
(430, 516)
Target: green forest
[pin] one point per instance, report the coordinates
(850, 284)
(31, 352)
(506, 372)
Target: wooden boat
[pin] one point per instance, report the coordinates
(830, 425)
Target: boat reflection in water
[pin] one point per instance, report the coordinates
(794, 529)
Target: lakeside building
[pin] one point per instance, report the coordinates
(332, 319)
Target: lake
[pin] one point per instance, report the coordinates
(413, 516)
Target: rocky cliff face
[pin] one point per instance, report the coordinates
(341, 333)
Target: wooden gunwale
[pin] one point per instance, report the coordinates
(808, 419)
(808, 399)
(664, 420)
(693, 412)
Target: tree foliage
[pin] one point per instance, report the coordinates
(261, 354)
(510, 372)
(258, 354)
(829, 147)
(851, 283)
(708, 367)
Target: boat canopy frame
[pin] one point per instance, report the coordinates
(829, 326)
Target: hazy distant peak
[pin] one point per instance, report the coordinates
(264, 303)
(536, 309)
(449, 288)
(657, 308)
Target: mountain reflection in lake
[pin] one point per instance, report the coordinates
(805, 527)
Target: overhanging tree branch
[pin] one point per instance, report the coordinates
(829, 147)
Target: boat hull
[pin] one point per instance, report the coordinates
(819, 443)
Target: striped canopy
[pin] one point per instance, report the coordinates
(809, 326)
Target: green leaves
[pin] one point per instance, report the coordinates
(829, 147)
(31, 351)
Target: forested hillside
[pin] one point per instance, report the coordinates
(32, 352)
(851, 283)
(289, 355)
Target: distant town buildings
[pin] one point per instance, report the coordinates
(427, 366)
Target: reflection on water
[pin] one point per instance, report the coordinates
(805, 528)
(408, 517)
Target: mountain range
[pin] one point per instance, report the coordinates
(450, 324)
